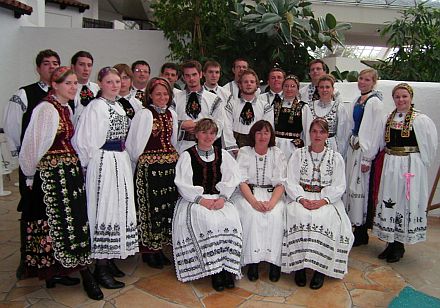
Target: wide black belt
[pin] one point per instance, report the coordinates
(116, 145)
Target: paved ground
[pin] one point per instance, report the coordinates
(370, 282)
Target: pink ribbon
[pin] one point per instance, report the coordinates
(408, 177)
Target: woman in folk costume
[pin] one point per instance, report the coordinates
(411, 145)
(100, 142)
(260, 200)
(318, 232)
(365, 115)
(333, 112)
(290, 118)
(151, 145)
(207, 234)
(57, 239)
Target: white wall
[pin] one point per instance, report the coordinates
(426, 96)
(107, 46)
(69, 17)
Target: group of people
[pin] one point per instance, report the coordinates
(229, 176)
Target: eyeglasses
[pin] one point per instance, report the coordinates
(125, 77)
(290, 86)
(138, 70)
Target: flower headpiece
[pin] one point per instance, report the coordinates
(59, 73)
(292, 77)
(404, 86)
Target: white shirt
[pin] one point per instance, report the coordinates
(79, 108)
(262, 111)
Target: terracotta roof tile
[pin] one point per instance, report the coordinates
(18, 7)
(65, 3)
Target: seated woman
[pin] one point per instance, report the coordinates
(207, 234)
(260, 203)
(318, 232)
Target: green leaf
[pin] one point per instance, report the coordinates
(251, 17)
(304, 4)
(260, 9)
(352, 76)
(285, 30)
(314, 25)
(307, 11)
(290, 4)
(343, 26)
(280, 4)
(330, 20)
(263, 28)
(271, 18)
(273, 6)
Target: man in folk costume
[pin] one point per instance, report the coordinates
(195, 103)
(141, 74)
(242, 113)
(274, 90)
(212, 72)
(238, 67)
(17, 115)
(317, 69)
(82, 65)
(170, 71)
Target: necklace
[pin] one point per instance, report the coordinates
(317, 167)
(206, 154)
(368, 92)
(264, 169)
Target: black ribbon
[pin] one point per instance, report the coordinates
(127, 107)
(315, 95)
(85, 95)
(247, 114)
(276, 100)
(140, 95)
(193, 107)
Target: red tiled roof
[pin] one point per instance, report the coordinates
(16, 6)
(65, 3)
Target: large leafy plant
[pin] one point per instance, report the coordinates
(416, 40)
(274, 33)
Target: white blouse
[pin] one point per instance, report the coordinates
(140, 131)
(184, 176)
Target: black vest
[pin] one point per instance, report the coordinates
(34, 94)
(206, 174)
(396, 139)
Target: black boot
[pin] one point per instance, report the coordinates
(114, 270)
(317, 280)
(360, 235)
(19, 273)
(165, 260)
(274, 272)
(252, 273)
(217, 282)
(384, 254)
(228, 280)
(397, 253)
(153, 260)
(300, 278)
(105, 279)
(64, 280)
(90, 285)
